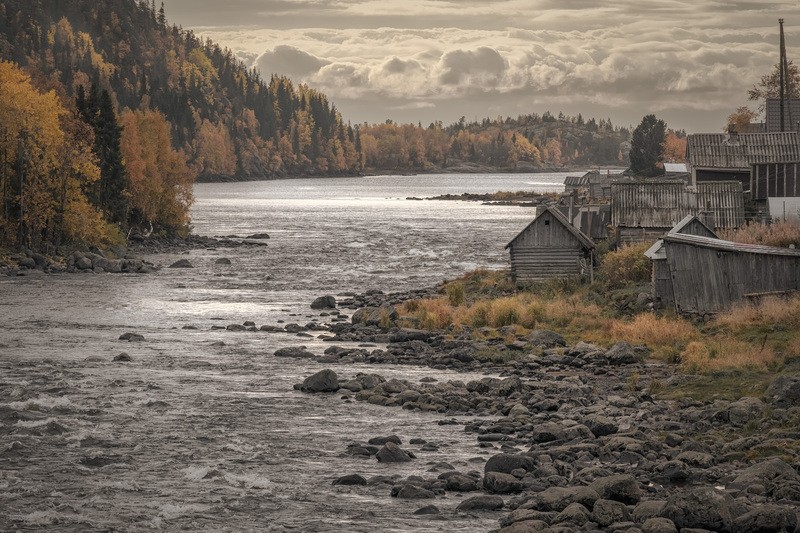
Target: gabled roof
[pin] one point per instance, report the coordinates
(719, 150)
(657, 251)
(729, 246)
(582, 238)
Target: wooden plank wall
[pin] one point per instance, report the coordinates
(706, 280)
(662, 283)
(536, 264)
(775, 180)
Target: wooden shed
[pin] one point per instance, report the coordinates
(708, 275)
(661, 277)
(550, 247)
(643, 211)
(721, 156)
(775, 189)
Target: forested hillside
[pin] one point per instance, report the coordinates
(224, 119)
(541, 141)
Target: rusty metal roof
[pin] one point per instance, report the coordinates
(719, 150)
(729, 246)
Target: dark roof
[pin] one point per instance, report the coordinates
(582, 238)
(729, 246)
(576, 181)
(657, 251)
(717, 150)
(686, 221)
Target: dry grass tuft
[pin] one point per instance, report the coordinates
(626, 265)
(724, 354)
(780, 234)
(653, 331)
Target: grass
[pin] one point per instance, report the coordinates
(780, 234)
(749, 338)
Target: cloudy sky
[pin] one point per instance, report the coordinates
(690, 62)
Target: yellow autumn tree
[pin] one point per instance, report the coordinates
(160, 181)
(674, 148)
(45, 165)
(214, 151)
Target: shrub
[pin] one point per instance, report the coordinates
(455, 293)
(626, 265)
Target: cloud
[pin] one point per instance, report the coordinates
(290, 61)
(409, 59)
(483, 65)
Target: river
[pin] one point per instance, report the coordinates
(193, 434)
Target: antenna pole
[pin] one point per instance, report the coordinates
(782, 73)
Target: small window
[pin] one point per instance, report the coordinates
(546, 222)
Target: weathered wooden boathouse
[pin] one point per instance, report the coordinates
(729, 156)
(644, 210)
(661, 277)
(708, 275)
(550, 247)
(775, 189)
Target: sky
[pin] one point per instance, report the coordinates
(689, 62)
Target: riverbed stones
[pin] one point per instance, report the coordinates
(499, 483)
(182, 263)
(323, 381)
(392, 453)
(621, 487)
(131, 337)
(606, 512)
(410, 491)
(350, 479)
(380, 441)
(293, 351)
(123, 358)
(600, 425)
(224, 261)
(784, 391)
(701, 507)
(481, 503)
(324, 302)
(427, 510)
(766, 518)
(659, 525)
(623, 353)
(544, 338)
(507, 463)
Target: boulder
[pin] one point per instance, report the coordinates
(784, 391)
(350, 479)
(558, 498)
(606, 512)
(546, 339)
(746, 410)
(392, 453)
(123, 358)
(324, 302)
(500, 483)
(673, 471)
(293, 351)
(621, 487)
(461, 483)
(764, 472)
(508, 462)
(766, 518)
(323, 381)
(526, 526)
(409, 491)
(380, 441)
(701, 507)
(659, 525)
(257, 236)
(600, 425)
(26, 262)
(222, 261)
(131, 337)
(574, 513)
(181, 263)
(83, 263)
(623, 353)
(481, 503)
(374, 316)
(428, 509)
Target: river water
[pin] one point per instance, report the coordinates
(197, 435)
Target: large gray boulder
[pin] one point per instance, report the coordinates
(545, 338)
(392, 453)
(182, 263)
(606, 512)
(784, 391)
(293, 351)
(323, 381)
(702, 507)
(374, 316)
(623, 353)
(622, 488)
(766, 518)
(410, 491)
(481, 503)
(500, 483)
(508, 462)
(324, 302)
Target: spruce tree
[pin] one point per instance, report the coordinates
(113, 179)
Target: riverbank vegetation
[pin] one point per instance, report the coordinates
(487, 304)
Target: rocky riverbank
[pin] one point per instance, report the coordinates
(126, 259)
(580, 438)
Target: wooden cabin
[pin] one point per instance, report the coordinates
(550, 247)
(661, 277)
(644, 210)
(729, 156)
(709, 275)
(775, 190)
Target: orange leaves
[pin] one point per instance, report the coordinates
(160, 181)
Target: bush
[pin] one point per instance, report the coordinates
(626, 265)
(455, 293)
